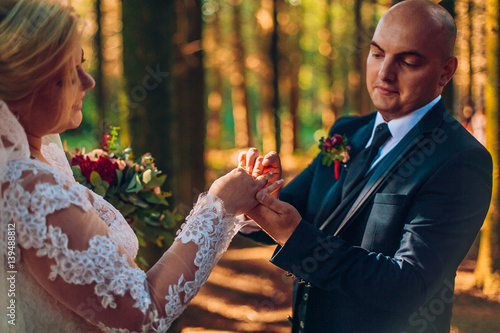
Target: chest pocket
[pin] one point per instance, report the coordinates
(385, 224)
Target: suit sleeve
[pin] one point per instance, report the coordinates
(439, 228)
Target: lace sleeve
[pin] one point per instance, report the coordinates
(73, 256)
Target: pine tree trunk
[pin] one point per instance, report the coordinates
(487, 271)
(241, 112)
(330, 114)
(147, 58)
(295, 62)
(189, 102)
(216, 90)
(266, 120)
(275, 59)
(98, 75)
(355, 75)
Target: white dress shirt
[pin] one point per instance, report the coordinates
(399, 128)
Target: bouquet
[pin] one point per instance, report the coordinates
(132, 186)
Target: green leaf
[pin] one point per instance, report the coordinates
(142, 243)
(76, 170)
(135, 200)
(95, 179)
(125, 209)
(154, 198)
(152, 221)
(105, 184)
(168, 238)
(156, 181)
(119, 177)
(77, 174)
(129, 174)
(135, 185)
(168, 220)
(100, 190)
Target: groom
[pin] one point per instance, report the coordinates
(376, 250)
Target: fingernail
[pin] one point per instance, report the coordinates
(279, 182)
(260, 196)
(271, 173)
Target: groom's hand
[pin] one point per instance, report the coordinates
(259, 165)
(277, 218)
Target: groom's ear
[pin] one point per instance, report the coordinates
(449, 68)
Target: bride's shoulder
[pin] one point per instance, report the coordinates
(32, 178)
(29, 170)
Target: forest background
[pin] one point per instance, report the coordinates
(195, 82)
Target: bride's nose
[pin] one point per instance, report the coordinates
(86, 80)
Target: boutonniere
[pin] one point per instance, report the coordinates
(334, 150)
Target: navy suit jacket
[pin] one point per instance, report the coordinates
(384, 258)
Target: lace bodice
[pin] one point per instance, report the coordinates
(73, 267)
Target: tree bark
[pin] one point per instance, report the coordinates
(487, 271)
(98, 75)
(355, 75)
(189, 102)
(295, 63)
(173, 131)
(216, 90)
(241, 111)
(266, 120)
(275, 59)
(330, 114)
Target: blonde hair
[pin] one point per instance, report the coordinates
(37, 38)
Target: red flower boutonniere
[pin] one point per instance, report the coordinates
(334, 150)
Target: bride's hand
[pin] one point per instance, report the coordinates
(257, 165)
(237, 189)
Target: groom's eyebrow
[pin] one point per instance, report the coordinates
(406, 53)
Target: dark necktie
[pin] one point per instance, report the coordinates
(361, 164)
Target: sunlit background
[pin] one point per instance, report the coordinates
(195, 82)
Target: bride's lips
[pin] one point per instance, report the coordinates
(385, 91)
(79, 105)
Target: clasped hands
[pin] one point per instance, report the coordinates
(277, 218)
(252, 188)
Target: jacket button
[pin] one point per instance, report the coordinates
(306, 296)
(301, 324)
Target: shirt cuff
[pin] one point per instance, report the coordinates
(250, 225)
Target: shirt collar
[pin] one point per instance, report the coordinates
(401, 126)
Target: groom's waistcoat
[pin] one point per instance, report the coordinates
(399, 237)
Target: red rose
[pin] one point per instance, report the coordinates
(328, 144)
(338, 139)
(77, 159)
(104, 166)
(332, 141)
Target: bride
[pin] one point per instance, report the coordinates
(67, 262)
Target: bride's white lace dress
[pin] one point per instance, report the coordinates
(73, 267)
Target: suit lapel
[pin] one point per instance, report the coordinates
(385, 167)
